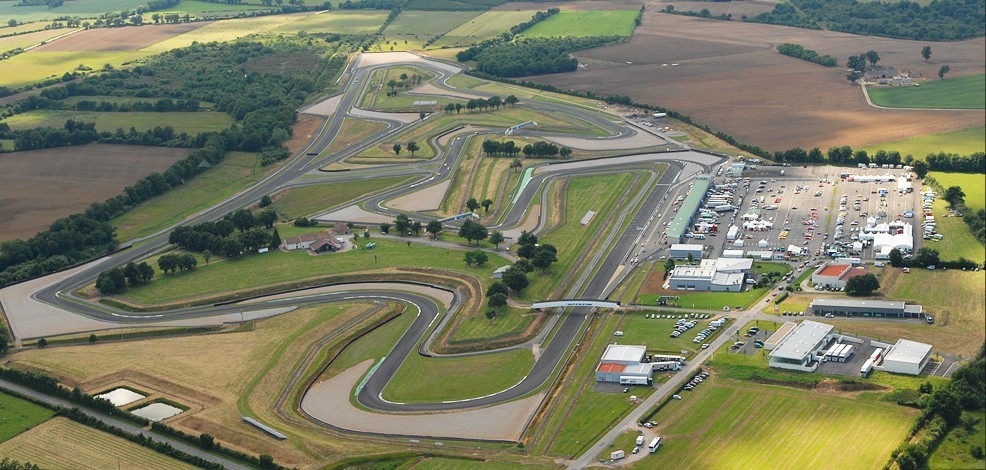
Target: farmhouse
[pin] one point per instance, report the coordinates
(907, 357)
(865, 308)
(835, 275)
(624, 365)
(317, 242)
(715, 275)
(797, 350)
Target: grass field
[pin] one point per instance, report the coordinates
(967, 92)
(62, 443)
(955, 449)
(962, 142)
(190, 122)
(655, 333)
(426, 24)
(280, 267)
(352, 130)
(198, 6)
(19, 415)
(959, 241)
(972, 185)
(85, 9)
(305, 200)
(586, 23)
(708, 300)
(235, 172)
(423, 379)
(24, 69)
(228, 30)
(482, 178)
(482, 27)
(508, 322)
(730, 424)
(340, 22)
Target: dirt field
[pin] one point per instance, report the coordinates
(130, 38)
(42, 185)
(303, 131)
(731, 77)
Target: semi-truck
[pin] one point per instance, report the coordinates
(866, 369)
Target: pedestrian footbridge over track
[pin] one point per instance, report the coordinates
(567, 303)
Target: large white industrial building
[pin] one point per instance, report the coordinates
(715, 275)
(798, 346)
(624, 364)
(907, 357)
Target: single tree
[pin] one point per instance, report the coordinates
(954, 195)
(543, 259)
(385, 227)
(496, 238)
(496, 288)
(458, 108)
(565, 152)
(206, 441)
(927, 257)
(497, 300)
(511, 100)
(480, 258)
(434, 228)
(490, 314)
(472, 204)
(926, 53)
(942, 71)
(392, 84)
(515, 279)
(397, 148)
(668, 267)
(404, 77)
(92, 338)
(416, 227)
(42, 342)
(872, 57)
(516, 164)
(421, 115)
(265, 201)
(862, 285)
(412, 147)
(896, 258)
(691, 258)
(207, 255)
(486, 204)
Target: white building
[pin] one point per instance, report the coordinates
(715, 275)
(798, 349)
(681, 251)
(907, 357)
(624, 364)
(622, 354)
(732, 254)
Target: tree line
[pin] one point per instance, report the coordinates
(236, 233)
(117, 279)
(517, 57)
(939, 20)
(537, 18)
(941, 411)
(809, 55)
(845, 155)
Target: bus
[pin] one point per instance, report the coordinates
(654, 444)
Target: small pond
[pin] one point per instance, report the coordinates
(121, 396)
(157, 411)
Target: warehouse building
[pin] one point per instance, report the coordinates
(686, 211)
(907, 357)
(712, 275)
(835, 275)
(680, 251)
(865, 308)
(624, 365)
(799, 348)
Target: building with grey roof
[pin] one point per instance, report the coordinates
(798, 349)
(907, 357)
(686, 212)
(865, 308)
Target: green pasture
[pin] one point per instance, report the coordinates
(375, 344)
(962, 142)
(181, 121)
(508, 322)
(708, 300)
(730, 424)
(199, 7)
(464, 81)
(482, 27)
(236, 172)
(450, 463)
(959, 241)
(586, 23)
(341, 22)
(34, 66)
(426, 24)
(424, 379)
(226, 30)
(261, 270)
(305, 200)
(972, 184)
(82, 8)
(968, 92)
(761, 267)
(18, 415)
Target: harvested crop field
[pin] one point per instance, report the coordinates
(730, 77)
(40, 186)
(130, 38)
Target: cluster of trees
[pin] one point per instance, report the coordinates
(941, 20)
(703, 13)
(405, 83)
(172, 262)
(541, 256)
(238, 232)
(403, 225)
(974, 218)
(9, 464)
(537, 18)
(941, 410)
(862, 285)
(799, 52)
(477, 257)
(473, 204)
(928, 257)
(845, 155)
(412, 147)
(471, 230)
(503, 57)
(495, 148)
(80, 133)
(67, 241)
(545, 149)
(163, 105)
(119, 278)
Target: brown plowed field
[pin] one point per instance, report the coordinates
(40, 186)
(129, 38)
(731, 77)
